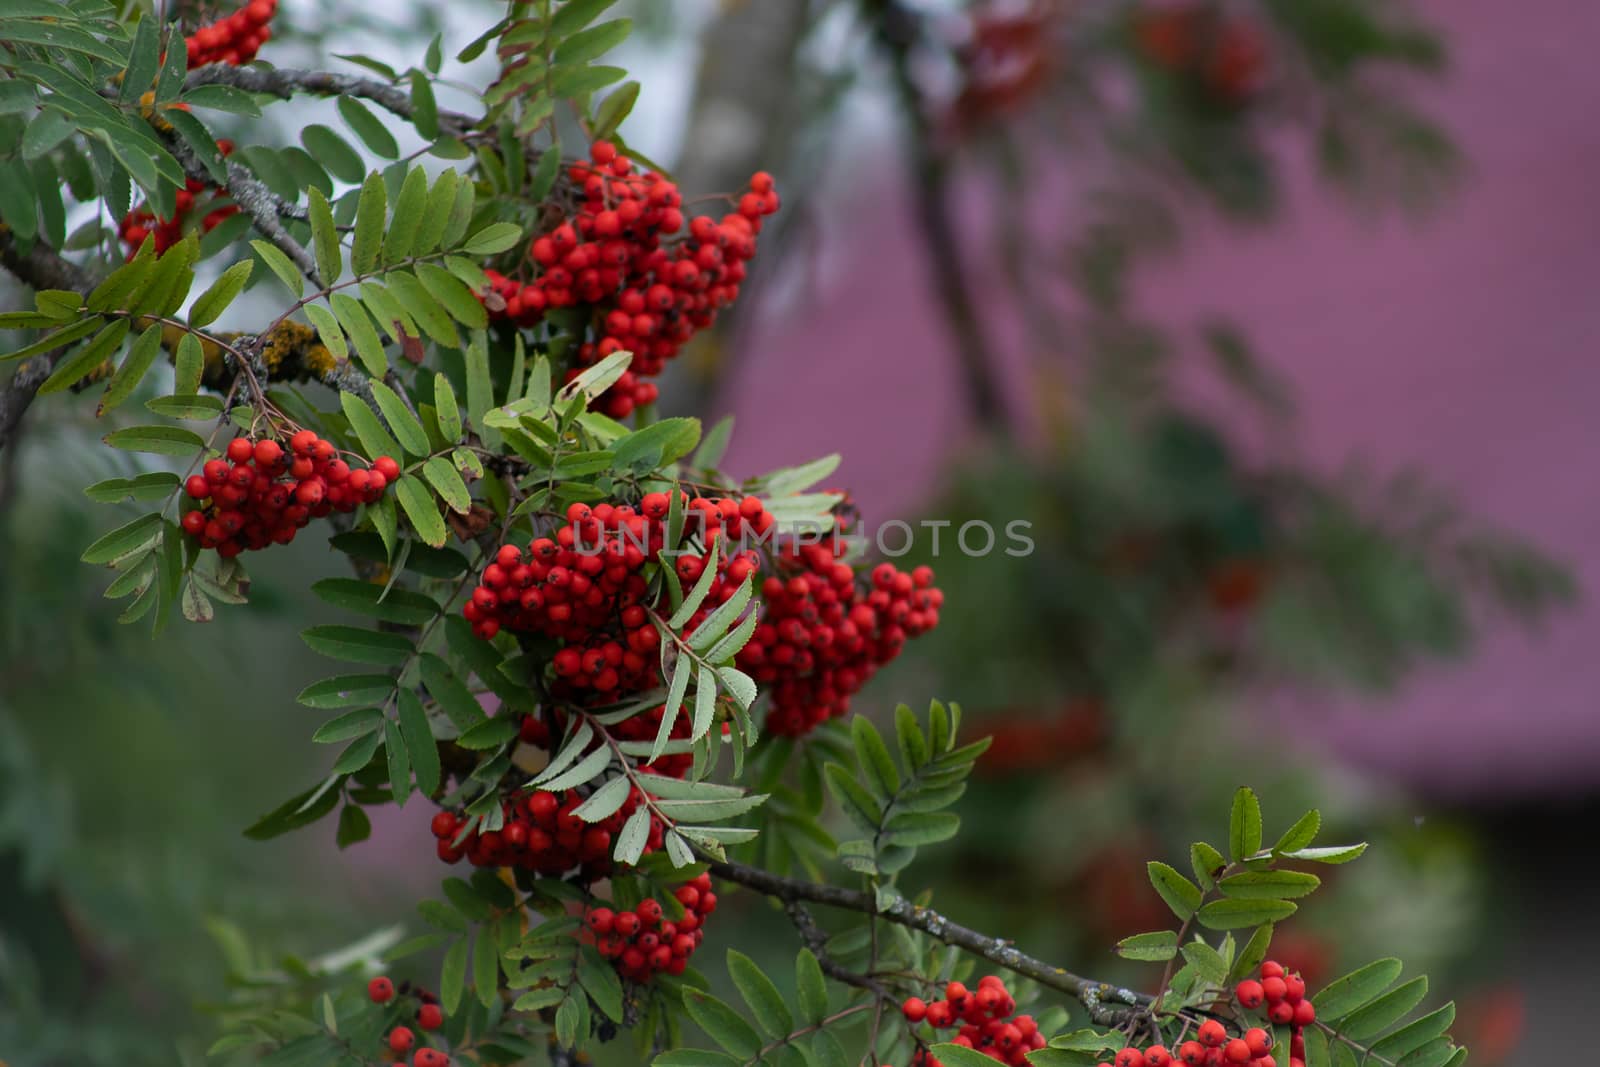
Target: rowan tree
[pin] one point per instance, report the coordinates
(581, 652)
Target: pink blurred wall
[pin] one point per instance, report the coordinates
(1462, 346)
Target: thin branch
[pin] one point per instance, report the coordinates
(897, 32)
(285, 83)
(1107, 1004)
(40, 267)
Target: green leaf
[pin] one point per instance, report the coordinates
(485, 967)
(423, 308)
(1384, 1012)
(952, 1055)
(359, 753)
(457, 702)
(65, 335)
(406, 428)
(159, 440)
(1206, 961)
(347, 690)
(493, 239)
(371, 212)
(1244, 825)
(324, 236)
(138, 360)
(354, 827)
(1234, 914)
(329, 330)
(1414, 1035)
(633, 837)
(1181, 895)
(455, 297)
(124, 539)
(156, 485)
(87, 359)
(448, 484)
(575, 81)
(872, 754)
(490, 733)
(281, 266)
(215, 300)
(356, 645)
(1301, 834)
(424, 110)
(716, 624)
(1157, 945)
(190, 366)
(356, 723)
(368, 430)
(1344, 995)
(407, 219)
(574, 15)
(604, 801)
(399, 762)
(331, 150)
(436, 217)
(857, 803)
(765, 1002)
(593, 42)
(812, 988)
(1330, 854)
(446, 410)
(453, 977)
(354, 321)
(615, 108)
(697, 595)
(367, 126)
(417, 502)
(1257, 885)
(301, 810)
(368, 598)
(913, 829)
(722, 1023)
(1251, 955)
(1206, 862)
(223, 98)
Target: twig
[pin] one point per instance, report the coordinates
(897, 32)
(40, 267)
(1107, 1004)
(284, 83)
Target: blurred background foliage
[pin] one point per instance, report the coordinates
(1182, 573)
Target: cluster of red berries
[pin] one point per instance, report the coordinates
(620, 256)
(584, 586)
(642, 943)
(540, 833)
(984, 1016)
(262, 494)
(822, 636)
(1224, 56)
(140, 223)
(1283, 993)
(402, 1039)
(1213, 1049)
(234, 40)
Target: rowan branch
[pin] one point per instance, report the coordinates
(284, 83)
(40, 267)
(1108, 1005)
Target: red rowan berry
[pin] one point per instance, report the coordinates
(380, 990)
(430, 1017)
(401, 1039)
(429, 1057)
(1274, 989)
(1258, 1040)
(1237, 1051)
(1272, 969)
(1129, 1057)
(1304, 1014)
(1192, 1053)
(1282, 1013)
(1294, 988)
(915, 1009)
(1249, 993)
(1212, 1033)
